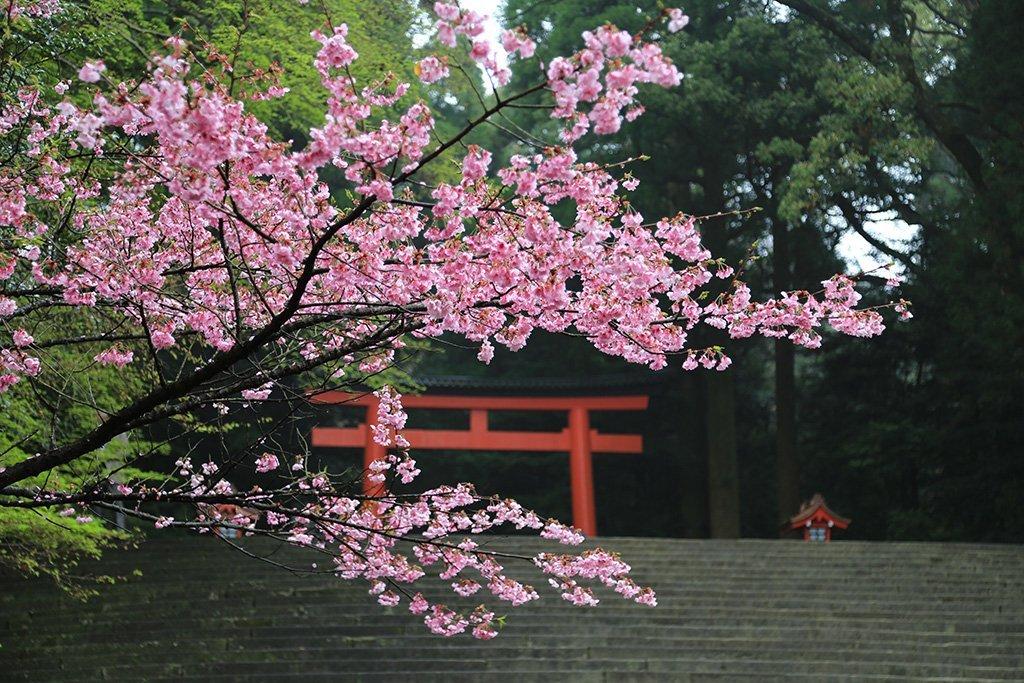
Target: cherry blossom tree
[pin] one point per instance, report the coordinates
(186, 243)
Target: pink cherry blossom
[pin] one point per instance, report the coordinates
(260, 393)
(32, 8)
(557, 531)
(517, 41)
(418, 605)
(446, 11)
(677, 21)
(475, 163)
(22, 338)
(91, 71)
(486, 354)
(115, 356)
(267, 462)
(162, 339)
(431, 69)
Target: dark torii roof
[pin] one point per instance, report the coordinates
(586, 384)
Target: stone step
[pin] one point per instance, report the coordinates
(535, 628)
(763, 555)
(723, 586)
(354, 594)
(1001, 594)
(667, 568)
(982, 623)
(611, 614)
(183, 648)
(649, 548)
(824, 666)
(416, 636)
(152, 556)
(740, 579)
(608, 676)
(705, 586)
(372, 614)
(680, 545)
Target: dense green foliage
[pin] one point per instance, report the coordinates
(41, 541)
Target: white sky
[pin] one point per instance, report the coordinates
(490, 8)
(852, 247)
(862, 256)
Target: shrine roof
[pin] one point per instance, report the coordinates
(808, 509)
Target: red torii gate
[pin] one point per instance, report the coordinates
(578, 439)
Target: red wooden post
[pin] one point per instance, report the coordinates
(372, 450)
(478, 423)
(581, 471)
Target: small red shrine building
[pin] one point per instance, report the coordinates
(816, 520)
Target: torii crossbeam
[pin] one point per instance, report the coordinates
(578, 439)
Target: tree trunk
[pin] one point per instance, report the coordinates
(723, 474)
(719, 388)
(787, 471)
(693, 458)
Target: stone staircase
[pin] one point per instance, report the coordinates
(729, 610)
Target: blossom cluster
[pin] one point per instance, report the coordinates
(247, 235)
(604, 76)
(39, 9)
(452, 22)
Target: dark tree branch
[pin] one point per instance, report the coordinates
(853, 220)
